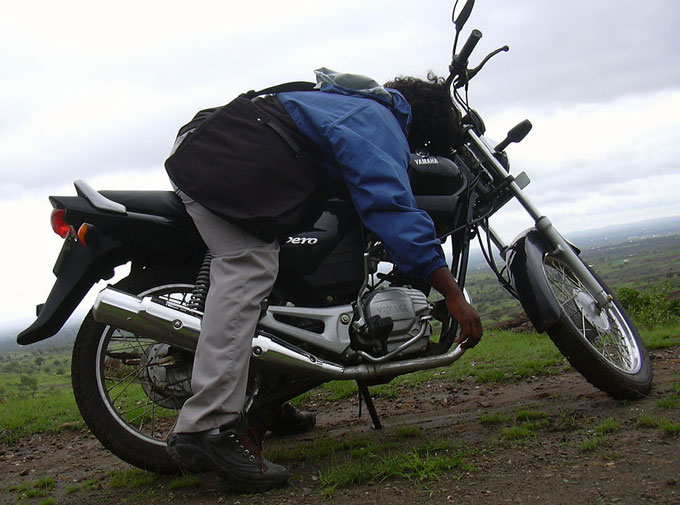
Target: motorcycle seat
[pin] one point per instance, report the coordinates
(158, 203)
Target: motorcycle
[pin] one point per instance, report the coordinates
(338, 311)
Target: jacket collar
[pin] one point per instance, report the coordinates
(331, 81)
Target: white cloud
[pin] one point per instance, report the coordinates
(97, 91)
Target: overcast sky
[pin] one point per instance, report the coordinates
(97, 91)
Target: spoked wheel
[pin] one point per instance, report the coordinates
(129, 388)
(600, 342)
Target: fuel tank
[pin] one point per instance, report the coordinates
(437, 184)
(323, 264)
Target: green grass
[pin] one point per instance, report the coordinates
(647, 421)
(530, 415)
(662, 337)
(668, 403)
(653, 422)
(671, 429)
(325, 447)
(88, 485)
(408, 431)
(494, 418)
(35, 388)
(571, 420)
(419, 464)
(607, 427)
(42, 413)
(130, 478)
(520, 433)
(42, 486)
(592, 443)
(675, 389)
(187, 481)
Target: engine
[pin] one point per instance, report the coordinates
(393, 316)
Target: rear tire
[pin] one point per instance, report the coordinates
(602, 344)
(112, 375)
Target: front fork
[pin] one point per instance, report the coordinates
(560, 248)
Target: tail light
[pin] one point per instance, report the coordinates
(59, 224)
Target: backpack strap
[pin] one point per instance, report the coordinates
(281, 88)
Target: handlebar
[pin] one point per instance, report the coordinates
(470, 44)
(459, 61)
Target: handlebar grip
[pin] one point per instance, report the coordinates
(462, 57)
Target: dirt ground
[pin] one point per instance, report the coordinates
(635, 465)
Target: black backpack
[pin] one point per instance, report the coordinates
(248, 162)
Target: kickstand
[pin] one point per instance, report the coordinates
(363, 393)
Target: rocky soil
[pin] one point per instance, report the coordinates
(631, 462)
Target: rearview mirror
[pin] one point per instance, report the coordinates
(463, 16)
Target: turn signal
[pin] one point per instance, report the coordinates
(87, 233)
(59, 224)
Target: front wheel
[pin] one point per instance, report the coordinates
(601, 343)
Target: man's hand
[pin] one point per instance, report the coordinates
(468, 319)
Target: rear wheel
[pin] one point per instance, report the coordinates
(601, 343)
(129, 388)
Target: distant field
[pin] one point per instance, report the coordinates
(635, 263)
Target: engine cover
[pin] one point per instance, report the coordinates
(405, 307)
(402, 305)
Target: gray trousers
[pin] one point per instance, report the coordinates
(242, 273)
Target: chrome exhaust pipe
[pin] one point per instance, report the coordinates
(145, 316)
(176, 326)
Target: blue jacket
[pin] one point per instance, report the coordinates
(364, 143)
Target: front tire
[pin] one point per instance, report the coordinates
(601, 343)
(119, 378)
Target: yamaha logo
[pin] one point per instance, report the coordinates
(425, 161)
(302, 240)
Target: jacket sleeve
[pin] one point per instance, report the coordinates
(373, 154)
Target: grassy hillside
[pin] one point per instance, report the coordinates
(641, 262)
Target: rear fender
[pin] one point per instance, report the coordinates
(78, 268)
(122, 235)
(525, 264)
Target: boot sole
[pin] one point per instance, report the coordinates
(197, 460)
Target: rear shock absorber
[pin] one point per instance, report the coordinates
(200, 292)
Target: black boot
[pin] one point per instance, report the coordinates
(232, 455)
(281, 420)
(292, 421)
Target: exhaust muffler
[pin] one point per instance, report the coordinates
(148, 317)
(176, 325)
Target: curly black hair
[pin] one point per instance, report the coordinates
(436, 123)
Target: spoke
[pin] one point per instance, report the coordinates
(131, 409)
(616, 344)
(113, 400)
(583, 325)
(180, 381)
(133, 374)
(142, 415)
(616, 350)
(129, 359)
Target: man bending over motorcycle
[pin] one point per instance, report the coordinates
(348, 131)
